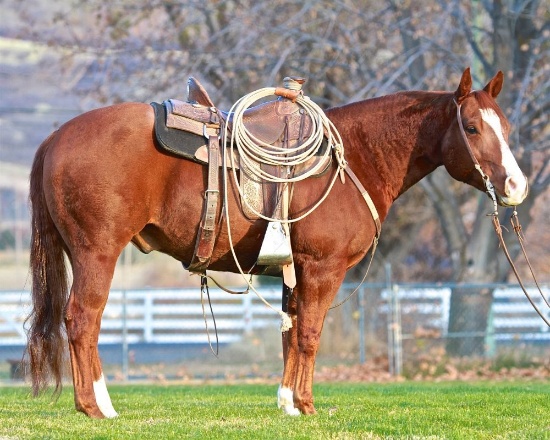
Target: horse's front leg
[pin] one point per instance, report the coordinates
(285, 394)
(311, 299)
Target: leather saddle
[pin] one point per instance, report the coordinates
(266, 121)
(182, 127)
(192, 130)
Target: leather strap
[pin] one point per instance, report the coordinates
(517, 228)
(206, 237)
(376, 219)
(489, 188)
(498, 228)
(367, 198)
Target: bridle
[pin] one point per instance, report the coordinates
(490, 189)
(514, 220)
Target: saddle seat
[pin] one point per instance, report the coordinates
(281, 122)
(266, 122)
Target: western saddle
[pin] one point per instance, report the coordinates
(278, 123)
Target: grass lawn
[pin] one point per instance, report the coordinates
(452, 410)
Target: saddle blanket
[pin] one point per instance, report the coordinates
(179, 142)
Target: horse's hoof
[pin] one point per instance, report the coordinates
(102, 398)
(289, 410)
(110, 414)
(92, 413)
(285, 401)
(308, 410)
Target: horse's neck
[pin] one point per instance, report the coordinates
(394, 141)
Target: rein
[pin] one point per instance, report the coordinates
(204, 289)
(514, 220)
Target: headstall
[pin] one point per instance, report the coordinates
(514, 220)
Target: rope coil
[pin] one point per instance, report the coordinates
(254, 152)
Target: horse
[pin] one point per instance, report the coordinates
(100, 181)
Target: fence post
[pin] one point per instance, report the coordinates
(395, 359)
(362, 354)
(391, 345)
(247, 313)
(490, 334)
(396, 326)
(127, 261)
(124, 336)
(148, 318)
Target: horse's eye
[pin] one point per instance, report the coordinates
(471, 129)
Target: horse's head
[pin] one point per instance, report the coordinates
(478, 136)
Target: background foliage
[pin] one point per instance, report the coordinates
(107, 52)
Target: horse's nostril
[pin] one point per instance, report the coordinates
(515, 186)
(509, 186)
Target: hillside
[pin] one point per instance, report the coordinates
(33, 102)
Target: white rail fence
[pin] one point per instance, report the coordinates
(178, 315)
(159, 316)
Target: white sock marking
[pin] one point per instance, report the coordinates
(285, 401)
(102, 398)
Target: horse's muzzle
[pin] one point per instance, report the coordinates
(516, 191)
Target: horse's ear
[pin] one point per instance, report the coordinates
(464, 87)
(494, 86)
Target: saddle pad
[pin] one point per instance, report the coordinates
(178, 142)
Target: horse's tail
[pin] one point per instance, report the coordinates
(46, 341)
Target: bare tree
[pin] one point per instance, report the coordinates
(505, 36)
(349, 51)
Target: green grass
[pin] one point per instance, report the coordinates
(484, 410)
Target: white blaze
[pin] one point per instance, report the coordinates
(515, 187)
(102, 398)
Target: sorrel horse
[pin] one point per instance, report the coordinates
(100, 181)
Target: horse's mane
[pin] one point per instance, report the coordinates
(403, 98)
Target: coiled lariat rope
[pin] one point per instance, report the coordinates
(253, 152)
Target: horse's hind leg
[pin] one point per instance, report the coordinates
(102, 397)
(92, 280)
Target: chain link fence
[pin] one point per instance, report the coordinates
(421, 326)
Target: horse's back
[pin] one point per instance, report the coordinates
(114, 141)
(107, 127)
(104, 177)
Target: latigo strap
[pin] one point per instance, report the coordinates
(206, 236)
